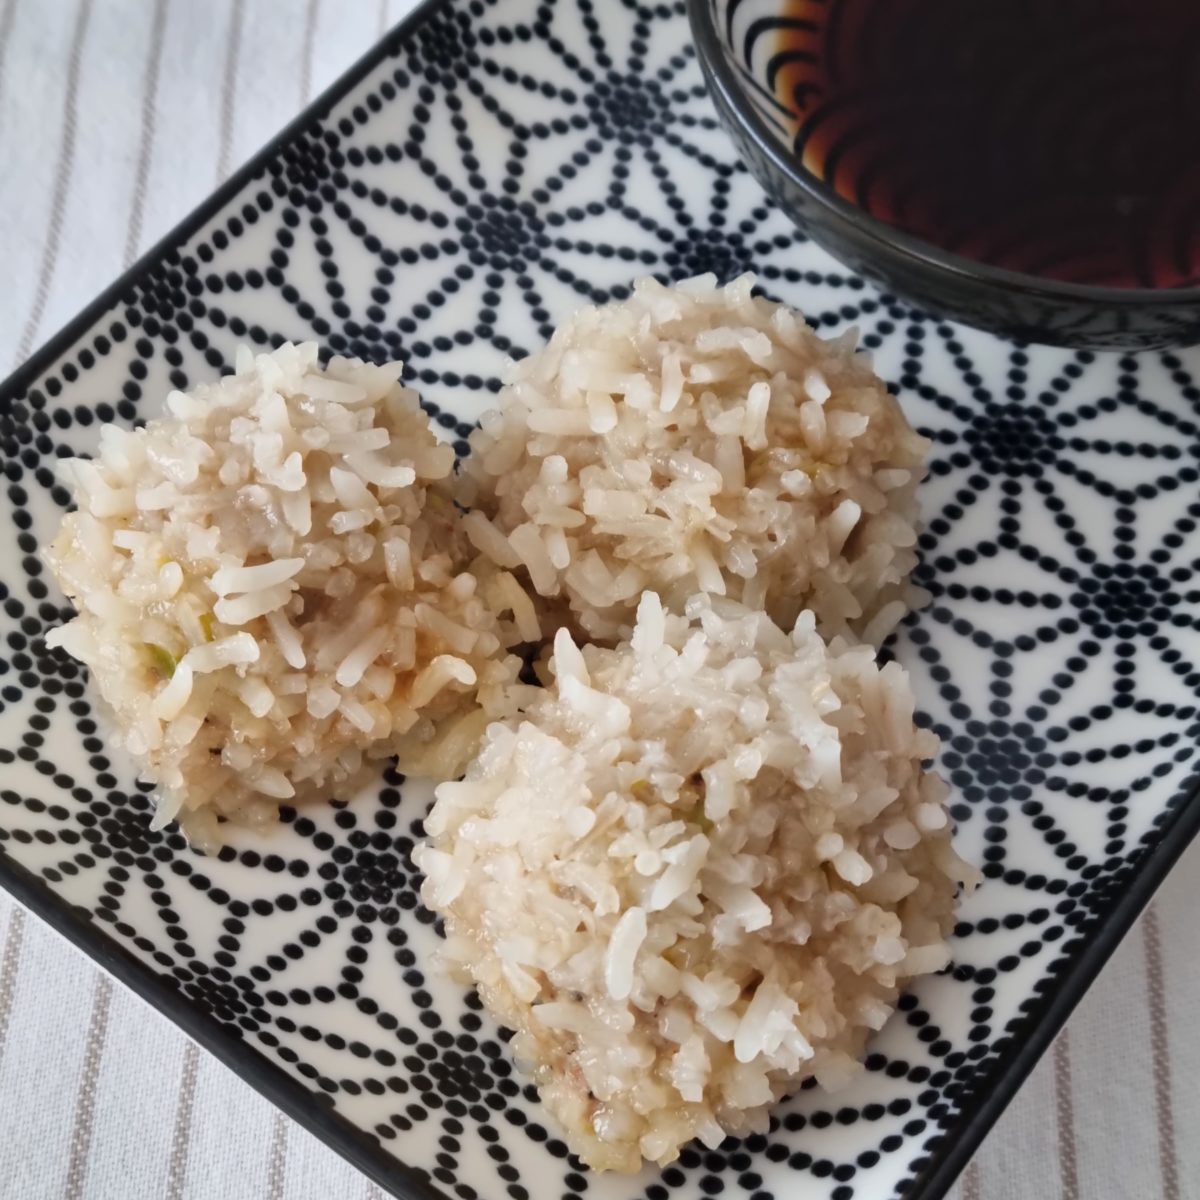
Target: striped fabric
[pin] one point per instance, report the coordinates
(116, 116)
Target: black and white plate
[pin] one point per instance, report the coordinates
(490, 166)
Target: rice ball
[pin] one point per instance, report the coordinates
(694, 874)
(272, 588)
(695, 439)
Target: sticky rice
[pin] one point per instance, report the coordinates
(695, 873)
(700, 439)
(273, 588)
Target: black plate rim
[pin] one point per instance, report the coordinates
(282, 1089)
(1041, 1024)
(1038, 1028)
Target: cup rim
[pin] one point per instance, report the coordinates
(888, 239)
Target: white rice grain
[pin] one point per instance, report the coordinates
(623, 946)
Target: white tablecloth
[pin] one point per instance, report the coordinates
(116, 117)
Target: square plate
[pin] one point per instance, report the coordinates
(488, 167)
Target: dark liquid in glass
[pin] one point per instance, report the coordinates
(1055, 137)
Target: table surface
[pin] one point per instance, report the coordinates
(116, 118)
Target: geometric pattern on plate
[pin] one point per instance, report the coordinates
(501, 164)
